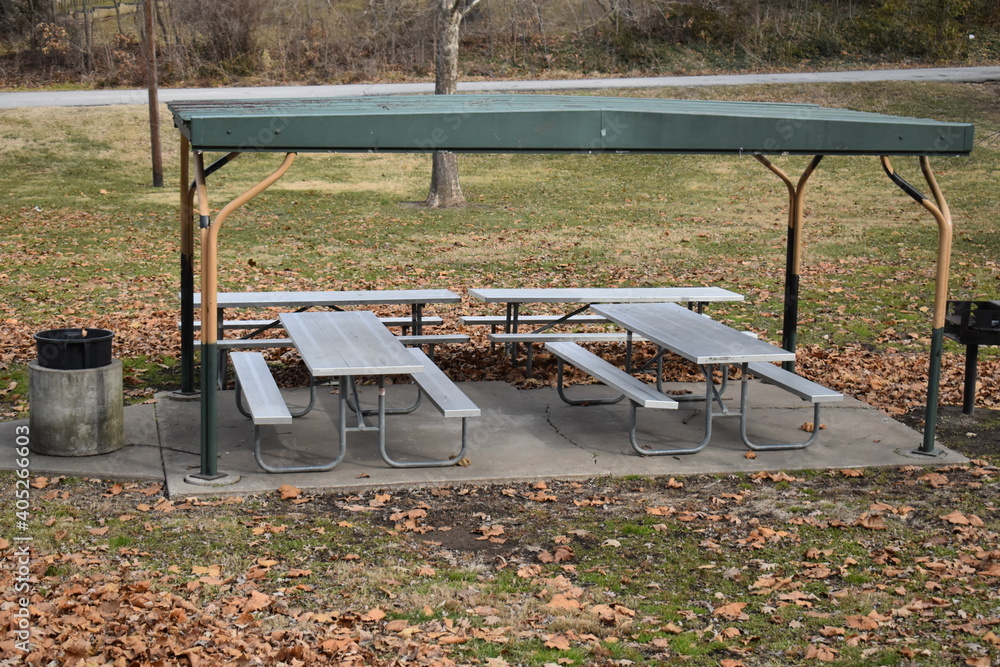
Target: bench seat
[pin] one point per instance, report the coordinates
(500, 320)
(265, 406)
(258, 343)
(632, 388)
(560, 337)
(443, 393)
(404, 321)
(639, 394)
(793, 383)
(257, 386)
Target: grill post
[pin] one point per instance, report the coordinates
(971, 374)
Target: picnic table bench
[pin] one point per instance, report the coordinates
(581, 298)
(347, 345)
(704, 342)
(412, 326)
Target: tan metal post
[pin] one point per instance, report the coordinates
(209, 306)
(942, 214)
(793, 252)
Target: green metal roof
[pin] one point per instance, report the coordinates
(550, 123)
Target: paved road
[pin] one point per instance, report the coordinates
(83, 98)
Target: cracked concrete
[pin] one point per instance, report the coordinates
(548, 420)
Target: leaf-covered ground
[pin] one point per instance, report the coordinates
(848, 567)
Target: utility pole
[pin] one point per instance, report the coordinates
(154, 105)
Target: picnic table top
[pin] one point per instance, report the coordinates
(695, 337)
(347, 344)
(606, 295)
(331, 298)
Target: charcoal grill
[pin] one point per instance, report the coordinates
(972, 324)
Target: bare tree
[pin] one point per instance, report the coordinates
(446, 191)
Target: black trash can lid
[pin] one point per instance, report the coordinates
(73, 334)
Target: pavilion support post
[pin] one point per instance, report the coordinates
(209, 469)
(188, 192)
(209, 308)
(939, 209)
(793, 252)
(187, 273)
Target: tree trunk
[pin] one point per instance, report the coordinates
(445, 190)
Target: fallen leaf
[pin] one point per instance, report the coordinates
(257, 601)
(821, 653)
(398, 625)
(859, 622)
(961, 519)
(731, 610)
(375, 614)
(934, 479)
(872, 521)
(560, 601)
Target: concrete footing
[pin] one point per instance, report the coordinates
(76, 412)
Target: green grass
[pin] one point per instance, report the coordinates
(670, 576)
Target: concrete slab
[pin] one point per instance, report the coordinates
(529, 435)
(138, 459)
(523, 435)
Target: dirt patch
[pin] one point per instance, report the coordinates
(974, 435)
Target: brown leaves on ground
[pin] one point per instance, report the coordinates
(877, 565)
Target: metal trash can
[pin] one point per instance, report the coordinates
(75, 394)
(73, 349)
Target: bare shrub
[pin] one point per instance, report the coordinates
(222, 33)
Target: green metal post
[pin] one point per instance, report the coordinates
(933, 383)
(790, 333)
(187, 323)
(187, 274)
(209, 419)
